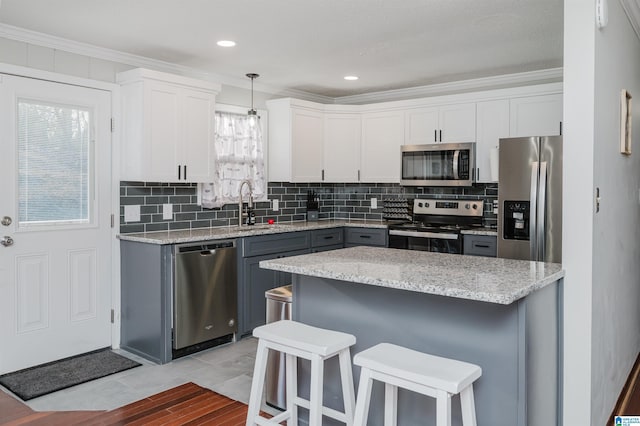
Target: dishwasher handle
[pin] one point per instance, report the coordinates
(206, 249)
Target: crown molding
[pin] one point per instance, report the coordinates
(551, 75)
(632, 9)
(79, 48)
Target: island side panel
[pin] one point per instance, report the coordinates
(485, 334)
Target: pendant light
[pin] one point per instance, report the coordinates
(252, 112)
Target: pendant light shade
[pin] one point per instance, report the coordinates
(252, 112)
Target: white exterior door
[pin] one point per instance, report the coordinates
(55, 264)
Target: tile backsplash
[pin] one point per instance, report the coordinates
(337, 201)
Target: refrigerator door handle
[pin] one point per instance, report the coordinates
(456, 155)
(542, 190)
(533, 209)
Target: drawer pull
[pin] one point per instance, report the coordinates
(481, 245)
(328, 237)
(365, 236)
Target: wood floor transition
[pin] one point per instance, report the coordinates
(188, 404)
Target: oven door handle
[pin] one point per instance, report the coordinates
(419, 234)
(456, 159)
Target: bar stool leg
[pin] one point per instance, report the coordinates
(468, 406)
(348, 392)
(443, 408)
(291, 374)
(364, 398)
(315, 397)
(257, 383)
(390, 405)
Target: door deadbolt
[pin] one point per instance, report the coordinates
(6, 221)
(6, 241)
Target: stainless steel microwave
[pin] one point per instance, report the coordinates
(442, 164)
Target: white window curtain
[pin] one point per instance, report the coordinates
(239, 156)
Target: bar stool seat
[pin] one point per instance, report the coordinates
(431, 375)
(297, 340)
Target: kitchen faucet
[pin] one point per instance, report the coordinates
(249, 203)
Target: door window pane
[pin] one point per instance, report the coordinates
(54, 170)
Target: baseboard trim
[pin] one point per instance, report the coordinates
(630, 387)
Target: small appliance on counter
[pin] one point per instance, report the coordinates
(313, 201)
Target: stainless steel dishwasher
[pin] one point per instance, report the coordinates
(205, 294)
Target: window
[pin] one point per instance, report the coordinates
(239, 156)
(54, 164)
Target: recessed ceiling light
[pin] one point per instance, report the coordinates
(351, 77)
(226, 43)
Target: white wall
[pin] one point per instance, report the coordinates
(616, 228)
(601, 252)
(49, 59)
(577, 241)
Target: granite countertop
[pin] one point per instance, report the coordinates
(486, 279)
(218, 233)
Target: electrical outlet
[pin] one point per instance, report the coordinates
(374, 203)
(275, 205)
(495, 206)
(167, 211)
(132, 213)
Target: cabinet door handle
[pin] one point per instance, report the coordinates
(358, 175)
(179, 169)
(435, 135)
(440, 135)
(185, 172)
(561, 128)
(478, 174)
(322, 174)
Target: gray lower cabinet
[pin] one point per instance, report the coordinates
(480, 245)
(375, 237)
(146, 286)
(254, 281)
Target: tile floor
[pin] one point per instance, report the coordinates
(226, 369)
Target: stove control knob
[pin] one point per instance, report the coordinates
(475, 206)
(467, 206)
(419, 204)
(426, 205)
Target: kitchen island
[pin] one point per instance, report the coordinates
(503, 315)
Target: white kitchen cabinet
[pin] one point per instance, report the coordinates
(382, 136)
(536, 116)
(307, 138)
(342, 138)
(168, 127)
(447, 123)
(492, 124)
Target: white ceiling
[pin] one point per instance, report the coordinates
(310, 45)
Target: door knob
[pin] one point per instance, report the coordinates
(6, 221)
(6, 241)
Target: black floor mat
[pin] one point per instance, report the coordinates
(46, 378)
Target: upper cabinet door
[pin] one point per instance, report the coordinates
(198, 135)
(421, 126)
(457, 123)
(536, 116)
(493, 124)
(161, 133)
(342, 147)
(382, 136)
(307, 138)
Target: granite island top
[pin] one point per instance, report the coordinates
(223, 232)
(486, 279)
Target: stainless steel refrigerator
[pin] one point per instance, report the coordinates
(530, 198)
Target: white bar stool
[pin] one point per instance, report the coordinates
(315, 344)
(427, 374)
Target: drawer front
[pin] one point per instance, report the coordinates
(275, 243)
(365, 237)
(480, 245)
(327, 237)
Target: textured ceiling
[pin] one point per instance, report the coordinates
(311, 44)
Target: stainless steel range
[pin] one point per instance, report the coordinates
(436, 225)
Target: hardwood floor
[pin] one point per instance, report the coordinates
(629, 400)
(188, 404)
